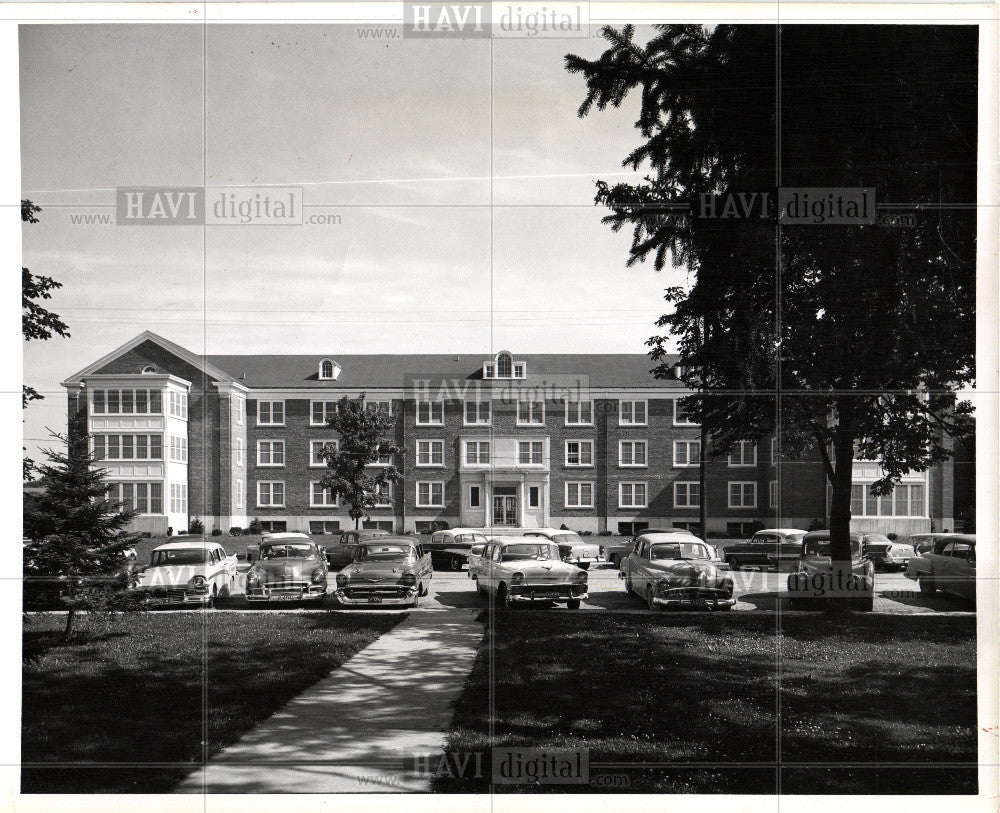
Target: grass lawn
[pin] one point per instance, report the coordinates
(697, 702)
(132, 690)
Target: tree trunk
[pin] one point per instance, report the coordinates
(70, 618)
(840, 516)
(702, 482)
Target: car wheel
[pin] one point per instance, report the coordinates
(927, 586)
(573, 604)
(649, 600)
(866, 605)
(455, 563)
(584, 565)
(479, 588)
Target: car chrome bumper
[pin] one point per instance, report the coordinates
(172, 597)
(374, 599)
(688, 596)
(541, 592)
(264, 594)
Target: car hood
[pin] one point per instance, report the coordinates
(548, 570)
(169, 575)
(686, 572)
(285, 568)
(362, 571)
(578, 549)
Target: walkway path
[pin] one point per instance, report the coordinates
(352, 731)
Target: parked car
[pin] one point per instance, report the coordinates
(886, 554)
(291, 568)
(518, 569)
(571, 546)
(476, 559)
(924, 543)
(192, 571)
(670, 569)
(450, 548)
(813, 580)
(615, 551)
(391, 570)
(770, 547)
(341, 551)
(950, 567)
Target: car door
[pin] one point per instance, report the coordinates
(639, 571)
(424, 561)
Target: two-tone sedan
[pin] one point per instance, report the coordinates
(572, 547)
(291, 568)
(816, 581)
(950, 567)
(886, 554)
(676, 570)
(770, 547)
(390, 570)
(521, 569)
(188, 571)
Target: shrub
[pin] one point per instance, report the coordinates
(196, 527)
(170, 531)
(892, 536)
(236, 530)
(216, 532)
(255, 527)
(146, 535)
(605, 533)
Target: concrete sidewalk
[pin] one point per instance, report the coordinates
(351, 732)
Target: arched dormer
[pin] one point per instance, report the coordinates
(502, 365)
(329, 370)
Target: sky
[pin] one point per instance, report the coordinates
(462, 177)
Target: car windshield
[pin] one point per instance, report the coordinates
(877, 539)
(182, 556)
(522, 551)
(678, 550)
(567, 539)
(384, 553)
(821, 547)
(470, 539)
(299, 550)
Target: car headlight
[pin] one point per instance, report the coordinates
(663, 584)
(197, 581)
(726, 585)
(581, 577)
(517, 578)
(253, 577)
(342, 580)
(318, 576)
(409, 578)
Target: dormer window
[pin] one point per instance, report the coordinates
(329, 370)
(504, 366)
(148, 370)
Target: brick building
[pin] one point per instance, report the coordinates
(591, 441)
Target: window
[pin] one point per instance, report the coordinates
(126, 402)
(149, 370)
(129, 447)
(321, 411)
(505, 365)
(741, 529)
(430, 495)
(579, 413)
(316, 447)
(270, 453)
(489, 370)
(238, 493)
(270, 413)
(681, 415)
(906, 500)
(320, 497)
(178, 449)
(477, 452)
(687, 494)
(326, 369)
(632, 413)
(742, 494)
(143, 498)
(430, 452)
(687, 453)
(631, 495)
(178, 404)
(529, 452)
(241, 449)
(430, 413)
(743, 454)
(274, 526)
(477, 413)
(383, 495)
(382, 459)
(271, 493)
(772, 494)
(530, 413)
(324, 526)
(239, 409)
(475, 495)
(579, 453)
(519, 369)
(579, 494)
(383, 407)
(179, 497)
(534, 497)
(632, 453)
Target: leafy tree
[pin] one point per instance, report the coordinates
(846, 340)
(351, 474)
(77, 539)
(37, 322)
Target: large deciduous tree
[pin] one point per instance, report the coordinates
(847, 339)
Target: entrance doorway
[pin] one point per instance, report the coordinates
(505, 505)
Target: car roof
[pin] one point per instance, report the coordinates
(507, 540)
(669, 536)
(190, 544)
(855, 536)
(462, 531)
(780, 531)
(368, 531)
(287, 535)
(397, 540)
(963, 537)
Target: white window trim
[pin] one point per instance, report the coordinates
(633, 504)
(325, 442)
(333, 368)
(284, 454)
(530, 441)
(633, 401)
(271, 401)
(478, 402)
(430, 415)
(682, 423)
(572, 506)
(869, 499)
(576, 404)
(465, 451)
(241, 408)
(538, 491)
(241, 451)
(384, 504)
(733, 465)
(271, 483)
(687, 506)
(478, 488)
(688, 465)
(432, 465)
(581, 441)
(239, 493)
(314, 504)
(621, 444)
(430, 493)
(740, 483)
(312, 420)
(519, 422)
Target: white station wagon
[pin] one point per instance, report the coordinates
(189, 571)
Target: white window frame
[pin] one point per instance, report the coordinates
(633, 443)
(271, 421)
(741, 484)
(324, 411)
(531, 412)
(530, 444)
(582, 443)
(312, 456)
(632, 421)
(430, 412)
(430, 444)
(632, 503)
(479, 456)
(325, 491)
(576, 407)
(241, 409)
(241, 450)
(322, 376)
(479, 495)
(686, 444)
(679, 422)
(273, 443)
(270, 491)
(579, 492)
(536, 490)
(388, 503)
(239, 493)
(741, 445)
(430, 494)
(479, 404)
(686, 503)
